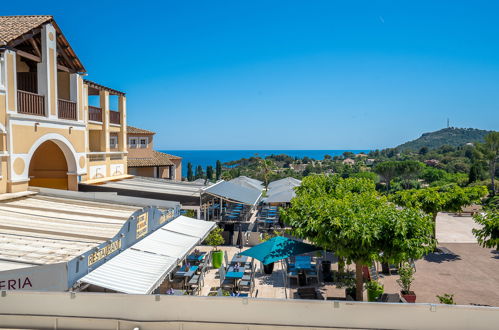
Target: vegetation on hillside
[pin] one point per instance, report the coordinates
(451, 136)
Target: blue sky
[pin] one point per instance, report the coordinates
(289, 74)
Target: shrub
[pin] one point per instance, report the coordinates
(406, 273)
(447, 299)
(215, 238)
(374, 290)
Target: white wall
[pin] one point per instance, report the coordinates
(120, 311)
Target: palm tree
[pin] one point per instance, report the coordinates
(266, 167)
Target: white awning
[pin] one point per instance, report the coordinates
(132, 271)
(165, 242)
(142, 267)
(189, 226)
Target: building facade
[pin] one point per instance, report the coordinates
(143, 160)
(52, 135)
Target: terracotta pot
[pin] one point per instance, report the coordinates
(268, 268)
(410, 296)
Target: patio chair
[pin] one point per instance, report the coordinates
(225, 283)
(312, 274)
(292, 274)
(226, 261)
(196, 283)
(247, 285)
(248, 276)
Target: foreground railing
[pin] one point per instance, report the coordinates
(94, 114)
(67, 110)
(114, 117)
(60, 310)
(30, 103)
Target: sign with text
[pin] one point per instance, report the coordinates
(142, 222)
(166, 216)
(104, 252)
(42, 278)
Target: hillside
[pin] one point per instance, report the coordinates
(448, 136)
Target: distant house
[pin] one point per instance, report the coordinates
(361, 155)
(143, 160)
(432, 162)
(298, 167)
(370, 161)
(349, 161)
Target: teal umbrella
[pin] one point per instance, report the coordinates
(278, 248)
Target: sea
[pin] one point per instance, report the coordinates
(210, 157)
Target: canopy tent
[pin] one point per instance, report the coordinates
(284, 196)
(142, 267)
(244, 181)
(278, 248)
(234, 192)
(289, 181)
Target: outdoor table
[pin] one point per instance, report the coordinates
(235, 275)
(239, 259)
(182, 273)
(196, 258)
(303, 262)
(186, 275)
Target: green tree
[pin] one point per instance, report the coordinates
(450, 198)
(209, 172)
(218, 170)
(408, 170)
(423, 150)
(387, 171)
(266, 167)
(490, 150)
(190, 174)
(199, 172)
(349, 217)
(488, 234)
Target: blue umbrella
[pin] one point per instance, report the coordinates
(278, 248)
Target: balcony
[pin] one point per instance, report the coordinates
(30, 103)
(114, 117)
(94, 114)
(67, 110)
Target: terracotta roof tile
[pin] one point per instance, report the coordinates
(172, 156)
(12, 27)
(135, 130)
(158, 159)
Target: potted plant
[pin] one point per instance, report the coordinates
(406, 273)
(215, 239)
(347, 281)
(374, 290)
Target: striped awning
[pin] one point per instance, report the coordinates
(141, 268)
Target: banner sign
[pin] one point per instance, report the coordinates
(142, 221)
(104, 252)
(166, 216)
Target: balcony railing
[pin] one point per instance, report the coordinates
(27, 81)
(114, 117)
(94, 114)
(67, 110)
(30, 103)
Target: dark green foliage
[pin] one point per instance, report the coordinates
(451, 136)
(218, 170)
(190, 174)
(423, 150)
(199, 172)
(209, 172)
